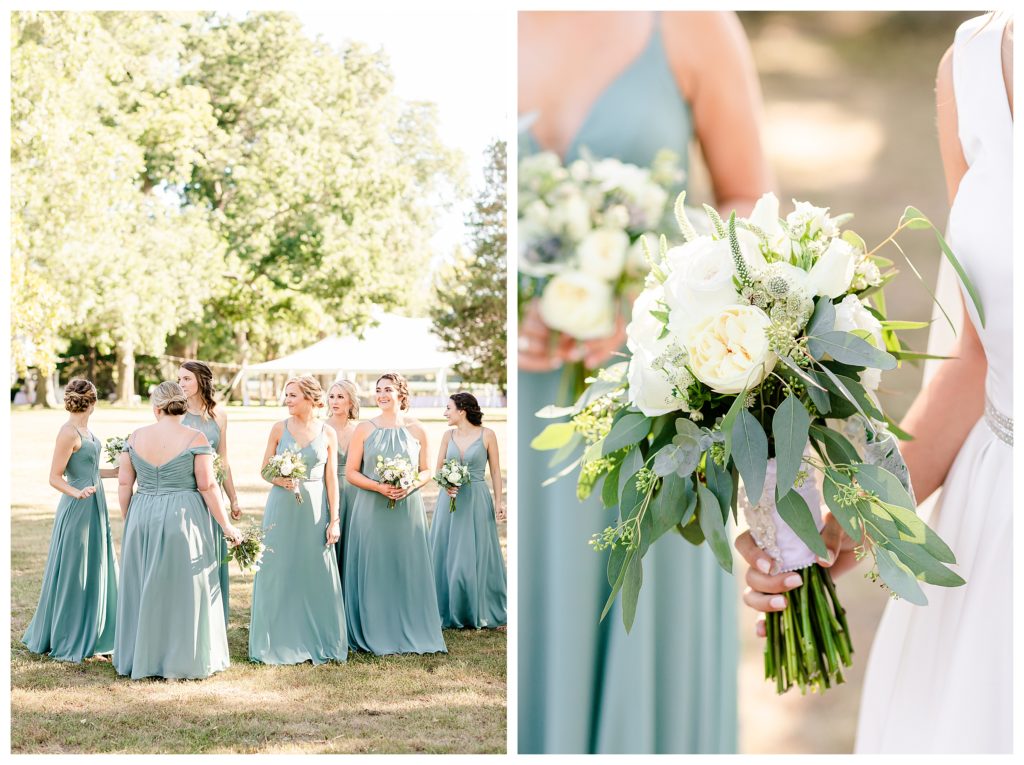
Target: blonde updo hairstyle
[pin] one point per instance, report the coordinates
(401, 386)
(310, 389)
(79, 395)
(353, 396)
(169, 398)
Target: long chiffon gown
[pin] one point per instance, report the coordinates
(389, 582)
(584, 685)
(298, 610)
(211, 430)
(469, 571)
(78, 602)
(940, 677)
(344, 500)
(170, 621)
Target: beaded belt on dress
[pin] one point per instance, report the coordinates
(998, 423)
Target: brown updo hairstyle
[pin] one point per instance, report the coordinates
(353, 396)
(204, 377)
(401, 385)
(169, 398)
(466, 402)
(79, 395)
(310, 388)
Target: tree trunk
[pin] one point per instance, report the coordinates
(242, 342)
(125, 374)
(49, 397)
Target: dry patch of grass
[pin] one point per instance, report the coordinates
(435, 703)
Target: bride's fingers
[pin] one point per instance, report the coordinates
(773, 584)
(763, 601)
(752, 554)
(759, 628)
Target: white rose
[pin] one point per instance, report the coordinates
(286, 469)
(616, 216)
(765, 216)
(602, 253)
(850, 315)
(730, 351)
(651, 200)
(536, 212)
(700, 279)
(833, 272)
(644, 330)
(649, 391)
(578, 305)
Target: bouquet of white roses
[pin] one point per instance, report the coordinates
(249, 553)
(453, 474)
(578, 237)
(755, 355)
(287, 464)
(113, 447)
(397, 472)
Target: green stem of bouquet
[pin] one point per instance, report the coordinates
(572, 384)
(808, 643)
(451, 505)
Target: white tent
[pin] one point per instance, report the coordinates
(393, 344)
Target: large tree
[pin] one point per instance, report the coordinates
(469, 310)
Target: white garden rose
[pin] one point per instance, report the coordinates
(730, 352)
(644, 330)
(851, 315)
(602, 253)
(579, 305)
(700, 279)
(285, 469)
(765, 216)
(833, 272)
(536, 213)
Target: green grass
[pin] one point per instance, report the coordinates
(397, 704)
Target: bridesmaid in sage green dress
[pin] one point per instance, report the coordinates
(78, 602)
(196, 379)
(343, 403)
(298, 610)
(389, 582)
(169, 615)
(469, 571)
(624, 85)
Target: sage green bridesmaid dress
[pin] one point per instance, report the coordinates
(211, 430)
(77, 607)
(170, 621)
(585, 685)
(344, 499)
(389, 582)
(469, 572)
(298, 610)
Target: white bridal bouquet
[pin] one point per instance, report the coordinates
(113, 447)
(453, 474)
(579, 227)
(249, 553)
(287, 464)
(755, 354)
(397, 472)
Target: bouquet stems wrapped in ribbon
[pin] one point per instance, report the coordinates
(755, 354)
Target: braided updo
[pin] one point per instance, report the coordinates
(169, 398)
(79, 395)
(466, 402)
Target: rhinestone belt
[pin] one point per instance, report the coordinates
(998, 423)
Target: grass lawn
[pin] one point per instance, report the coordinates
(439, 703)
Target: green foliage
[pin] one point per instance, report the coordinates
(468, 309)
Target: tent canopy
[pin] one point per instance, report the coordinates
(397, 343)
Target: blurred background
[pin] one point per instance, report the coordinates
(849, 124)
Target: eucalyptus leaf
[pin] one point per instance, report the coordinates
(839, 449)
(925, 567)
(750, 453)
(794, 511)
(561, 473)
(844, 514)
(554, 436)
(719, 481)
(567, 451)
(631, 590)
(709, 514)
(620, 577)
(729, 420)
(669, 506)
(629, 466)
(610, 490)
(848, 348)
(552, 412)
(911, 528)
(789, 429)
(823, 319)
(692, 532)
(898, 577)
(627, 431)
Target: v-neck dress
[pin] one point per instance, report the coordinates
(298, 610)
(469, 572)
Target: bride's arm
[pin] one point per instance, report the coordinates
(939, 429)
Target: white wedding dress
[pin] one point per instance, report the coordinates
(940, 677)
